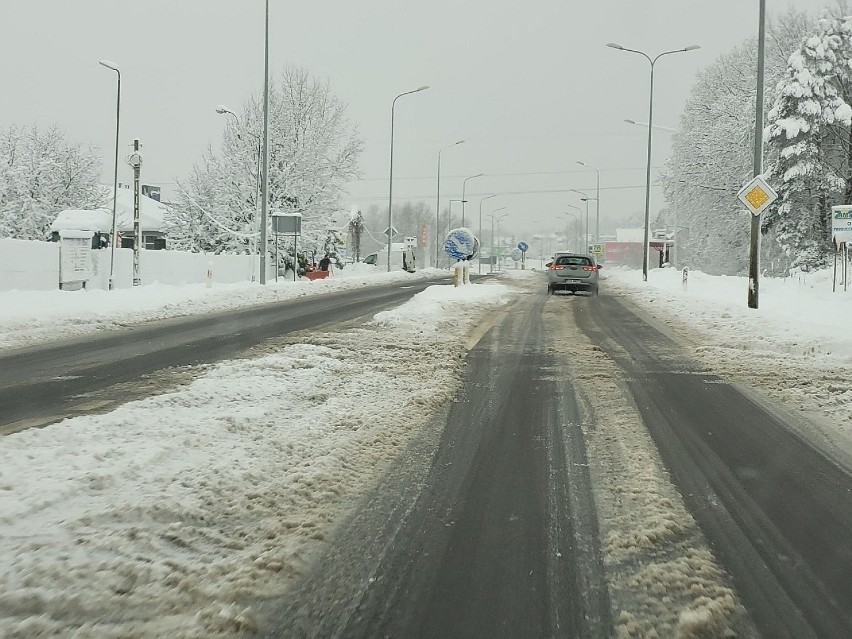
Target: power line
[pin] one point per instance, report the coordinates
(529, 192)
(445, 177)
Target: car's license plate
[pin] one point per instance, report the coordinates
(573, 281)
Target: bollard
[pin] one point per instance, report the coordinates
(466, 272)
(685, 275)
(209, 274)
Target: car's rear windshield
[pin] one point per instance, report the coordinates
(573, 260)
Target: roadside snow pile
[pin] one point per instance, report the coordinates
(169, 516)
(30, 317)
(796, 346)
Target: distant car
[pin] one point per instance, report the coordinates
(573, 272)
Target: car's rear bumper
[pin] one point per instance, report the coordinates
(573, 286)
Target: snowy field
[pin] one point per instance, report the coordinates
(35, 317)
(168, 516)
(796, 347)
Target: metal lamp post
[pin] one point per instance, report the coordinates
(597, 201)
(390, 178)
(487, 197)
(493, 216)
(576, 217)
(264, 182)
(464, 184)
(438, 205)
(655, 126)
(450, 213)
(113, 67)
(652, 62)
(223, 110)
(585, 199)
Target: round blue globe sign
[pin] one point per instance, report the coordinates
(523, 246)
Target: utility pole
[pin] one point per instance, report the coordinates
(754, 245)
(135, 161)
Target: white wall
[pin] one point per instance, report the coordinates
(31, 265)
(28, 265)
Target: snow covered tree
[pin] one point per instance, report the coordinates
(313, 153)
(810, 127)
(40, 175)
(712, 152)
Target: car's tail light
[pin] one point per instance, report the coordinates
(556, 267)
(590, 268)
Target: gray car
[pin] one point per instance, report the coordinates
(573, 272)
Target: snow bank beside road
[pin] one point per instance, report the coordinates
(796, 346)
(169, 515)
(32, 317)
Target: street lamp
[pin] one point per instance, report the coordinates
(223, 110)
(450, 213)
(390, 178)
(652, 62)
(656, 126)
(113, 67)
(464, 184)
(438, 205)
(597, 201)
(576, 217)
(487, 197)
(264, 181)
(585, 199)
(493, 216)
(587, 238)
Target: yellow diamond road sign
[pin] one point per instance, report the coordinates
(757, 195)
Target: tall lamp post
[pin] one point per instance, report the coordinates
(493, 216)
(597, 200)
(652, 62)
(223, 110)
(576, 217)
(585, 199)
(390, 178)
(264, 181)
(450, 213)
(464, 184)
(113, 67)
(438, 205)
(487, 197)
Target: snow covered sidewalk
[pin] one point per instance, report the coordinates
(796, 346)
(166, 517)
(34, 317)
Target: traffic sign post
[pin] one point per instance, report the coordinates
(523, 247)
(756, 195)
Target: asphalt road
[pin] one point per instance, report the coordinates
(41, 385)
(488, 527)
(777, 511)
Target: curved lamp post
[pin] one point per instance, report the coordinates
(585, 199)
(493, 216)
(223, 110)
(390, 178)
(652, 62)
(487, 197)
(464, 184)
(450, 213)
(113, 67)
(438, 204)
(597, 201)
(577, 216)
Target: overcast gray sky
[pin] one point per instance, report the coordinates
(529, 85)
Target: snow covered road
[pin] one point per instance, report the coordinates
(168, 516)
